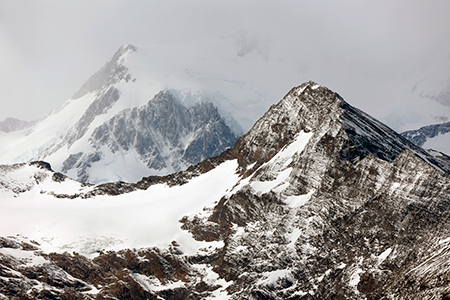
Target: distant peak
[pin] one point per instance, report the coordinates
(112, 72)
(127, 48)
(121, 54)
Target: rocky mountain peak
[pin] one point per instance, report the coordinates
(333, 122)
(304, 108)
(112, 72)
(126, 48)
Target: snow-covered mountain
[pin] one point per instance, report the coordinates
(436, 137)
(317, 201)
(122, 127)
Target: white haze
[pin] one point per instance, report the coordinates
(369, 52)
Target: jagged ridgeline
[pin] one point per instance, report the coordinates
(317, 201)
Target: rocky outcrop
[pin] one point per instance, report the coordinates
(125, 274)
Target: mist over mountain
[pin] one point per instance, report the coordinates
(318, 200)
(121, 126)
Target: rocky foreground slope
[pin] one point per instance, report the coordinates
(317, 201)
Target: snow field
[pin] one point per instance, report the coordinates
(138, 219)
(440, 143)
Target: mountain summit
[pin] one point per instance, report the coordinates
(317, 201)
(111, 73)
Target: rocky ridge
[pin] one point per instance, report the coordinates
(330, 204)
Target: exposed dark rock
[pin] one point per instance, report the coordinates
(42, 165)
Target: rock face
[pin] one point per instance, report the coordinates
(166, 136)
(330, 204)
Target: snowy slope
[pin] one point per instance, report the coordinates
(137, 219)
(440, 143)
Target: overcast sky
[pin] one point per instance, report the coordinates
(48, 49)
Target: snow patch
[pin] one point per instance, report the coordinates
(383, 256)
(354, 278)
(441, 143)
(153, 284)
(270, 278)
(30, 258)
(297, 201)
